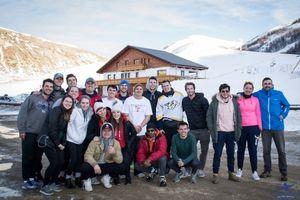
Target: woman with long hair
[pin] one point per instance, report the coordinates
(125, 133)
(76, 133)
(56, 126)
(251, 128)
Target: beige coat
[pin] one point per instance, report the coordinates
(95, 149)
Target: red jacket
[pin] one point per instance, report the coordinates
(159, 149)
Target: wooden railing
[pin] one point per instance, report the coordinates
(124, 68)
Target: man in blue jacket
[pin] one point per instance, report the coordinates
(274, 109)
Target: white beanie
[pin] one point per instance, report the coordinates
(117, 106)
(98, 105)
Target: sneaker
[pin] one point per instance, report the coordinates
(239, 173)
(69, 184)
(37, 183)
(265, 174)
(233, 177)
(95, 181)
(141, 175)
(87, 184)
(55, 188)
(122, 177)
(28, 185)
(46, 190)
(150, 177)
(283, 177)
(185, 172)
(106, 181)
(215, 179)
(193, 178)
(255, 176)
(201, 173)
(162, 181)
(177, 177)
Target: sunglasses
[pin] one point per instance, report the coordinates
(225, 91)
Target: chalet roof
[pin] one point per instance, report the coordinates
(162, 55)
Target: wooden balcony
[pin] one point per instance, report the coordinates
(133, 81)
(133, 67)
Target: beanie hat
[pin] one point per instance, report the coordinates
(124, 81)
(98, 105)
(58, 75)
(117, 106)
(151, 125)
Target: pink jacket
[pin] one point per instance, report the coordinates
(250, 111)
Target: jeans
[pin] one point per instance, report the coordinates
(249, 134)
(204, 137)
(160, 164)
(278, 137)
(194, 164)
(31, 157)
(227, 138)
(170, 128)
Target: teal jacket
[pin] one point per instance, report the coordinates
(211, 119)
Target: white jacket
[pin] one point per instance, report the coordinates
(77, 126)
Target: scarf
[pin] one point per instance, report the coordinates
(246, 96)
(151, 141)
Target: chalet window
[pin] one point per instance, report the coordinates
(114, 76)
(182, 72)
(136, 61)
(109, 76)
(136, 74)
(126, 62)
(161, 72)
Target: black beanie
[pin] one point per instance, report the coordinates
(151, 125)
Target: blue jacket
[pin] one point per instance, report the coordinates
(272, 104)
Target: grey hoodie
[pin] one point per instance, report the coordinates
(32, 114)
(106, 143)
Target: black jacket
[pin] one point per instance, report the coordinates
(153, 102)
(55, 126)
(196, 110)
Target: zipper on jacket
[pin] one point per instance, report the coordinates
(269, 111)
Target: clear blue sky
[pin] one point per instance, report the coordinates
(106, 26)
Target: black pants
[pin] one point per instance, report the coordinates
(56, 161)
(249, 134)
(160, 164)
(194, 164)
(135, 146)
(127, 159)
(170, 128)
(31, 157)
(113, 169)
(75, 162)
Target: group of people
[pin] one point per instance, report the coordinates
(85, 136)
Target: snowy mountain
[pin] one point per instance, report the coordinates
(235, 67)
(23, 56)
(283, 39)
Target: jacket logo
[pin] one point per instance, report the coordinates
(172, 105)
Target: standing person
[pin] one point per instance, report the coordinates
(103, 157)
(169, 111)
(76, 133)
(125, 134)
(274, 109)
(71, 81)
(152, 154)
(138, 110)
(184, 152)
(31, 118)
(195, 105)
(152, 95)
(58, 91)
(251, 128)
(73, 92)
(90, 91)
(111, 97)
(123, 92)
(56, 128)
(224, 123)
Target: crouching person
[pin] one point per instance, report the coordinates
(184, 152)
(103, 157)
(152, 154)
